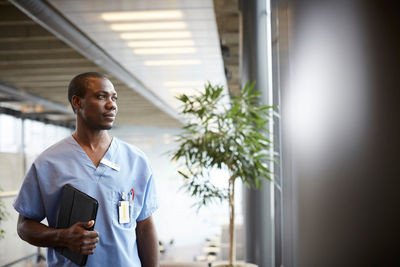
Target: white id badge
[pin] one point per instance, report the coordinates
(123, 211)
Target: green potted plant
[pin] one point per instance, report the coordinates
(3, 216)
(228, 133)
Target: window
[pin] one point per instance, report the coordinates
(10, 134)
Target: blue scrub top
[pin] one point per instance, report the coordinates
(67, 163)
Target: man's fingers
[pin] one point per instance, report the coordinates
(90, 241)
(86, 249)
(91, 234)
(89, 252)
(89, 224)
(86, 224)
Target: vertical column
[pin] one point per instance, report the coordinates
(258, 204)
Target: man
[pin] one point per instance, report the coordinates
(103, 167)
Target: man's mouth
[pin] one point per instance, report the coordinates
(109, 115)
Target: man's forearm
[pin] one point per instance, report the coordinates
(77, 238)
(38, 234)
(147, 242)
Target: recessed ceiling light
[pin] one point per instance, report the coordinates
(164, 43)
(142, 15)
(183, 83)
(161, 51)
(145, 26)
(171, 62)
(187, 91)
(155, 35)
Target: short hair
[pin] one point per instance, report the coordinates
(79, 83)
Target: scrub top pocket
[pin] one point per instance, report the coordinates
(115, 198)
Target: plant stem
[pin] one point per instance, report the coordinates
(232, 236)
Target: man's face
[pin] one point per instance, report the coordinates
(98, 107)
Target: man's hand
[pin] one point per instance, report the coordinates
(80, 240)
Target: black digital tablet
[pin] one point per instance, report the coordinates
(75, 206)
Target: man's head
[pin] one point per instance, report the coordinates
(93, 99)
(79, 84)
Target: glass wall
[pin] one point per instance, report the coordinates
(20, 142)
(10, 134)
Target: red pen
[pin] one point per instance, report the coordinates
(133, 194)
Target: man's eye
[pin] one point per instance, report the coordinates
(114, 98)
(100, 96)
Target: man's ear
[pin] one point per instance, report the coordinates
(76, 102)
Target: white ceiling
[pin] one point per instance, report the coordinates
(167, 65)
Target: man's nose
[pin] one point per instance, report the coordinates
(111, 104)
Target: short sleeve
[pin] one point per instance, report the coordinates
(29, 201)
(150, 204)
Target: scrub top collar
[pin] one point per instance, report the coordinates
(109, 155)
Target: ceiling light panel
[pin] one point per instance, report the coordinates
(164, 43)
(183, 83)
(142, 15)
(172, 62)
(176, 25)
(188, 91)
(155, 35)
(149, 26)
(164, 51)
(91, 17)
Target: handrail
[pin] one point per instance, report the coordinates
(4, 194)
(22, 259)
